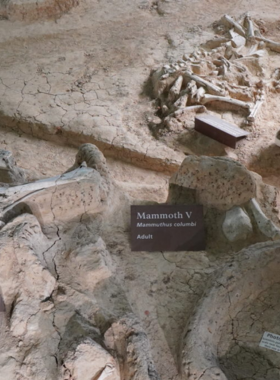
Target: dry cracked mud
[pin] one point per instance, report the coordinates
(75, 302)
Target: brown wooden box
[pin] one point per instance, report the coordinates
(219, 130)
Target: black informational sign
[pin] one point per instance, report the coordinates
(167, 228)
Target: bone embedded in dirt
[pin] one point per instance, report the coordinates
(229, 20)
(237, 224)
(221, 188)
(75, 302)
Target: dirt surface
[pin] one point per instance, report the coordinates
(84, 77)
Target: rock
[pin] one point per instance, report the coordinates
(89, 361)
(244, 286)
(218, 182)
(237, 225)
(26, 282)
(130, 342)
(59, 282)
(232, 198)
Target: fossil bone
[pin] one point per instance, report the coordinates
(215, 42)
(213, 98)
(175, 89)
(182, 100)
(250, 27)
(229, 20)
(255, 110)
(237, 41)
(184, 111)
(274, 46)
(197, 108)
(213, 89)
(199, 94)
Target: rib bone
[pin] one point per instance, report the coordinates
(275, 46)
(211, 98)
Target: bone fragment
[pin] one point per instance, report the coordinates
(180, 113)
(228, 51)
(274, 46)
(276, 74)
(238, 41)
(265, 225)
(255, 52)
(197, 108)
(250, 34)
(211, 98)
(223, 66)
(240, 19)
(215, 42)
(238, 28)
(212, 89)
(175, 89)
(255, 110)
(191, 89)
(181, 101)
(200, 94)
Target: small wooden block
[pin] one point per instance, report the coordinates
(219, 130)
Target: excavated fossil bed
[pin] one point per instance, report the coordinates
(84, 76)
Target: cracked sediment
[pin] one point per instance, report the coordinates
(67, 271)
